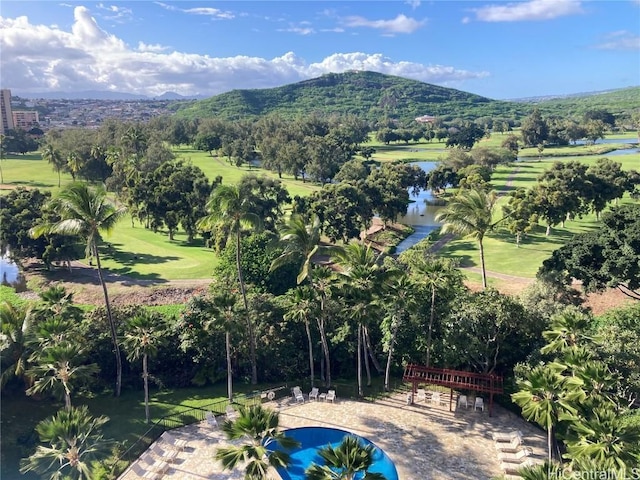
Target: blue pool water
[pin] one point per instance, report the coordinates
(313, 439)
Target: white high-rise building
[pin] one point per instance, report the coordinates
(5, 111)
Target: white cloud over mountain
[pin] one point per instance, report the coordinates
(39, 58)
(526, 11)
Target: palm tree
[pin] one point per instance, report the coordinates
(87, 213)
(230, 211)
(58, 369)
(400, 297)
(142, 339)
(224, 315)
(57, 302)
(301, 302)
(258, 428)
(15, 323)
(568, 329)
(543, 396)
(301, 242)
(52, 156)
(345, 461)
(74, 441)
(321, 283)
(470, 213)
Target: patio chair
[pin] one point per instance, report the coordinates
(230, 412)
(331, 396)
(463, 401)
(153, 464)
(421, 394)
(479, 404)
(436, 397)
(313, 394)
(211, 419)
(514, 468)
(297, 394)
(141, 472)
(513, 446)
(176, 443)
(506, 436)
(166, 455)
(516, 457)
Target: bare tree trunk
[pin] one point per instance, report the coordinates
(359, 360)
(325, 343)
(484, 271)
(227, 341)
(431, 319)
(366, 356)
(145, 377)
(374, 360)
(252, 339)
(310, 341)
(387, 373)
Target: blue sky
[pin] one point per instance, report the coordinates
(498, 49)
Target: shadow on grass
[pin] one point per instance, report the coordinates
(23, 183)
(134, 258)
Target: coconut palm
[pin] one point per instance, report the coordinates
(225, 316)
(15, 323)
(470, 213)
(258, 428)
(301, 242)
(74, 445)
(142, 338)
(301, 306)
(87, 213)
(321, 283)
(53, 156)
(229, 210)
(344, 462)
(58, 368)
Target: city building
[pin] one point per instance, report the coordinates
(25, 119)
(5, 111)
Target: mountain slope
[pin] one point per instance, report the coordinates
(369, 95)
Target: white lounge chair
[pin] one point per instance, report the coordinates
(513, 446)
(436, 397)
(331, 396)
(506, 436)
(152, 463)
(421, 394)
(297, 394)
(515, 457)
(211, 419)
(463, 401)
(176, 443)
(141, 472)
(166, 455)
(230, 412)
(479, 404)
(514, 468)
(313, 394)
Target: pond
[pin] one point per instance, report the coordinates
(10, 274)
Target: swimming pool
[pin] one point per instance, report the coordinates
(314, 438)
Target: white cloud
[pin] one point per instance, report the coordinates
(413, 3)
(298, 30)
(207, 11)
(116, 13)
(526, 11)
(621, 40)
(40, 58)
(400, 24)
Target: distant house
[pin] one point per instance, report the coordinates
(426, 119)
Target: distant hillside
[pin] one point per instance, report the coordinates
(617, 102)
(369, 95)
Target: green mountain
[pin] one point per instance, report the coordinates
(369, 95)
(373, 96)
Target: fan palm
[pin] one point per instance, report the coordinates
(142, 338)
(258, 428)
(345, 461)
(229, 210)
(568, 329)
(470, 213)
(15, 322)
(74, 441)
(87, 213)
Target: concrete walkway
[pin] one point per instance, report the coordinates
(426, 442)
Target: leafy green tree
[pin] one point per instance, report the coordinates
(466, 136)
(609, 182)
(230, 210)
(263, 444)
(519, 213)
(86, 212)
(470, 213)
(350, 460)
(74, 445)
(142, 338)
(267, 197)
(440, 178)
(534, 129)
(301, 306)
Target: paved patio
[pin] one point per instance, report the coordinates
(426, 442)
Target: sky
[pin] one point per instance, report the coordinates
(498, 49)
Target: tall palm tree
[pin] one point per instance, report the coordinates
(74, 443)
(258, 428)
(224, 316)
(142, 338)
(321, 283)
(87, 213)
(301, 242)
(15, 323)
(301, 303)
(344, 462)
(470, 213)
(53, 156)
(58, 368)
(229, 210)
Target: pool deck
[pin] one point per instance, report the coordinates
(425, 441)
